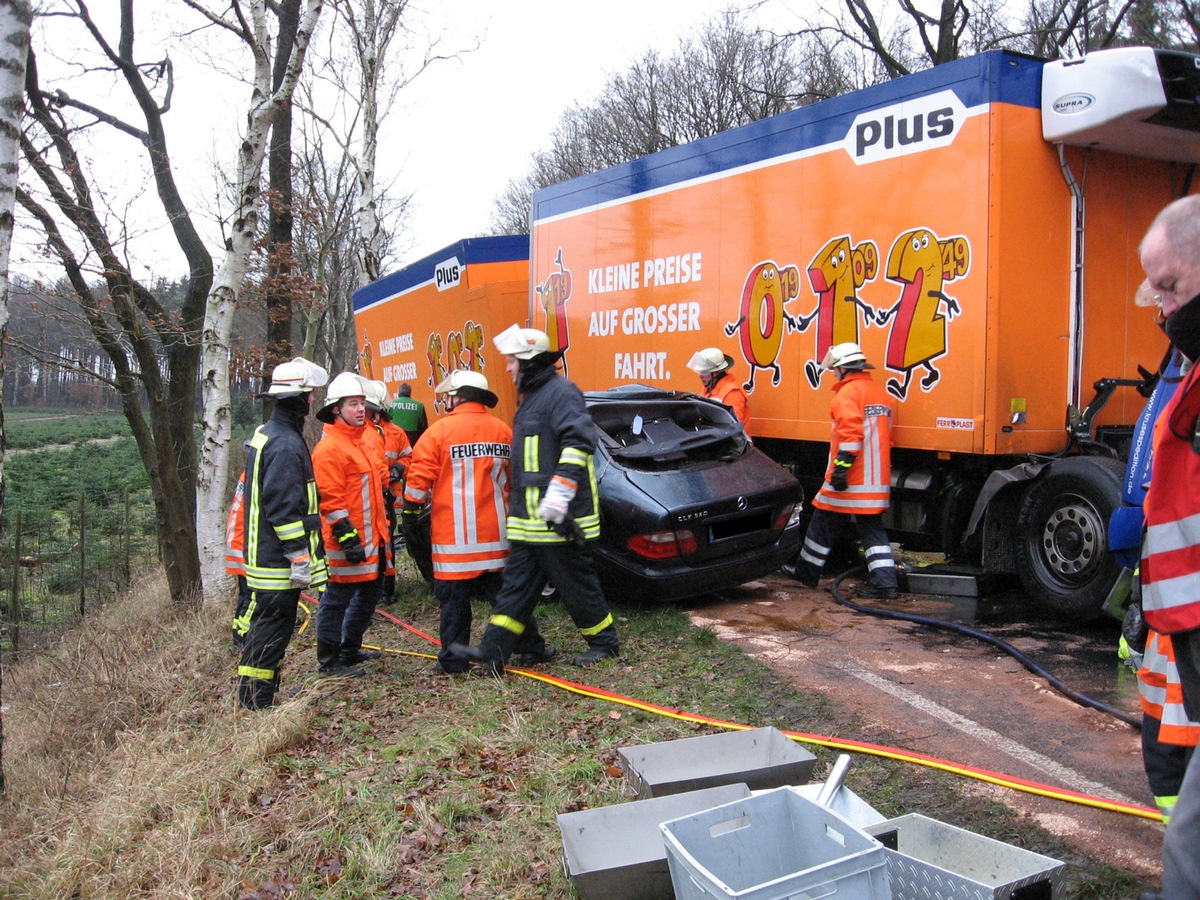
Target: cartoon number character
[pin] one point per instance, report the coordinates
(367, 358)
(760, 318)
(922, 264)
(554, 292)
(437, 370)
(836, 274)
(473, 344)
(455, 345)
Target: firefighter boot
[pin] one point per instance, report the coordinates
(256, 693)
(489, 660)
(595, 654)
(359, 656)
(535, 657)
(329, 662)
(876, 591)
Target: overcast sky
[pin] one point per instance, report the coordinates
(455, 138)
(474, 125)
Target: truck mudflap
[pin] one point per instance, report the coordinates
(1059, 535)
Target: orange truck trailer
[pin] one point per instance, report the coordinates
(974, 227)
(440, 313)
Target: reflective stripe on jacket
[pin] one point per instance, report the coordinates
(347, 471)
(1161, 693)
(727, 390)
(553, 437)
(461, 466)
(862, 424)
(235, 531)
(282, 513)
(1170, 566)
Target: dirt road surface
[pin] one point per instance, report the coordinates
(961, 700)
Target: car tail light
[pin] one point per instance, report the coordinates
(663, 544)
(789, 517)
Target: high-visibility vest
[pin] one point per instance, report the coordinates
(235, 531)
(461, 467)
(1161, 693)
(728, 391)
(347, 471)
(1170, 565)
(862, 424)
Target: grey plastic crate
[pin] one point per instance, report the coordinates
(927, 858)
(772, 846)
(760, 758)
(616, 852)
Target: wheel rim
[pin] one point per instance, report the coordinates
(1073, 540)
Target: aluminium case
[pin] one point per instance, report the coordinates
(616, 852)
(760, 758)
(925, 218)
(927, 858)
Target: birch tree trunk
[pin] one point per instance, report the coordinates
(265, 104)
(15, 16)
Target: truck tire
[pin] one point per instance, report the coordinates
(1062, 536)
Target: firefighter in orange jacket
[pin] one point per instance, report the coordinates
(396, 453)
(713, 366)
(235, 561)
(461, 468)
(354, 525)
(857, 487)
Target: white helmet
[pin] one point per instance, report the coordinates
(469, 385)
(346, 384)
(845, 356)
(523, 343)
(376, 395)
(295, 377)
(709, 360)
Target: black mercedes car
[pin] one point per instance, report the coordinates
(688, 505)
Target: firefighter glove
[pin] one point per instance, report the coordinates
(1134, 628)
(839, 478)
(301, 574)
(349, 541)
(557, 498)
(396, 472)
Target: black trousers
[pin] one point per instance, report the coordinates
(343, 616)
(454, 627)
(572, 572)
(826, 527)
(272, 616)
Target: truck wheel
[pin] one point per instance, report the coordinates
(1062, 530)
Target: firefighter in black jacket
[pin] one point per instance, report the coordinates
(554, 509)
(282, 529)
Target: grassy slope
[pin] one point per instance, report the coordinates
(131, 772)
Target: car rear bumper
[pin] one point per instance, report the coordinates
(669, 580)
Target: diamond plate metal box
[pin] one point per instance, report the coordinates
(930, 860)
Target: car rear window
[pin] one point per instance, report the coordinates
(667, 431)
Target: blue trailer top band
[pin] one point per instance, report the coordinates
(505, 248)
(995, 77)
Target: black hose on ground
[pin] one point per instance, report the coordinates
(1075, 696)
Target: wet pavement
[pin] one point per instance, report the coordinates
(956, 698)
